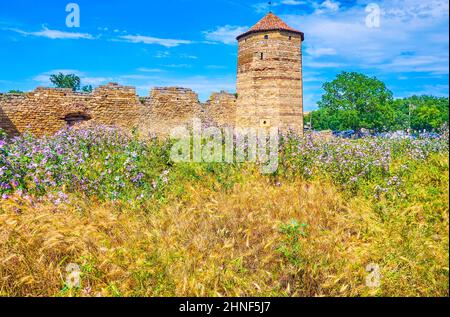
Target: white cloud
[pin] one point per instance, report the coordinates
(226, 34)
(134, 77)
(292, 2)
(216, 66)
(435, 90)
(415, 41)
(327, 6)
(187, 56)
(415, 9)
(437, 65)
(149, 70)
(54, 34)
(164, 54)
(314, 64)
(153, 40)
(96, 81)
(321, 51)
(178, 66)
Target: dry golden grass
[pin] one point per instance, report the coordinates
(211, 243)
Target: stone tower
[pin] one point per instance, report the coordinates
(269, 76)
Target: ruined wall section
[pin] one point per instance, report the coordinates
(46, 111)
(220, 109)
(116, 106)
(11, 118)
(168, 108)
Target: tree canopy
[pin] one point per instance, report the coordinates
(353, 101)
(71, 81)
(421, 112)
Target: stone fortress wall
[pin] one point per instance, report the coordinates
(269, 94)
(46, 111)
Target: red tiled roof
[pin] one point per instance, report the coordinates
(270, 23)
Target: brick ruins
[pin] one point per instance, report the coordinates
(269, 93)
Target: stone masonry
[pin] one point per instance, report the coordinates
(269, 94)
(46, 111)
(269, 78)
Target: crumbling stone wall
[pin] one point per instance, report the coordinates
(167, 108)
(269, 80)
(221, 109)
(46, 111)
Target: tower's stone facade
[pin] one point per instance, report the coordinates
(269, 76)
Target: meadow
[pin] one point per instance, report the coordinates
(138, 224)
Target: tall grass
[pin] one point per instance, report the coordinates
(197, 229)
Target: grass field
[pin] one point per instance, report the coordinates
(138, 224)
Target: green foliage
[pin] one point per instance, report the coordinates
(421, 112)
(87, 89)
(71, 81)
(61, 80)
(290, 246)
(355, 101)
(17, 92)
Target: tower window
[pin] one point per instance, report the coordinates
(262, 56)
(266, 37)
(290, 38)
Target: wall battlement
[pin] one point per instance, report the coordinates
(45, 111)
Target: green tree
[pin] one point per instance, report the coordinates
(14, 91)
(66, 81)
(354, 101)
(69, 81)
(87, 89)
(421, 112)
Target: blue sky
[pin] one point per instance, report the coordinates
(192, 43)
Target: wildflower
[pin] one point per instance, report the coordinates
(14, 183)
(62, 196)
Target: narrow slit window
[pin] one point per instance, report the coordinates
(290, 38)
(262, 56)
